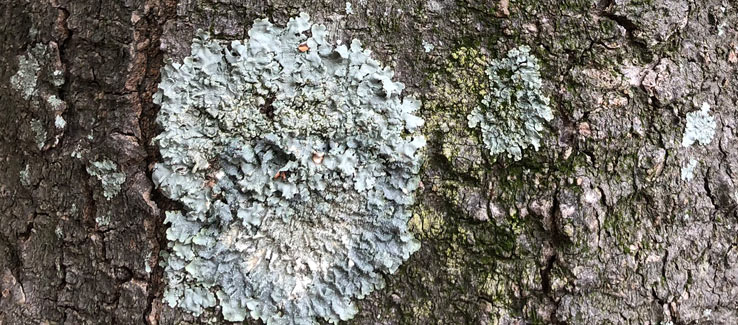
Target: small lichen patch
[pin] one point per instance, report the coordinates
(147, 258)
(39, 132)
(59, 232)
(59, 122)
(103, 220)
(55, 103)
(428, 46)
(106, 172)
(24, 81)
(77, 152)
(700, 127)
(296, 162)
(512, 115)
(349, 8)
(57, 78)
(688, 170)
(25, 176)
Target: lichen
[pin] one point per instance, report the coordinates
(56, 103)
(427, 47)
(39, 132)
(59, 232)
(688, 170)
(57, 78)
(25, 176)
(25, 79)
(77, 152)
(59, 122)
(296, 163)
(103, 220)
(106, 172)
(512, 115)
(700, 127)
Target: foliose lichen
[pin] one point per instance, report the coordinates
(57, 78)
(700, 127)
(39, 132)
(25, 79)
(427, 46)
(106, 172)
(103, 220)
(296, 162)
(55, 102)
(59, 122)
(514, 111)
(25, 176)
(688, 170)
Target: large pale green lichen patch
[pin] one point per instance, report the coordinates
(512, 115)
(296, 162)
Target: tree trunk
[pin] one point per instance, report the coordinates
(614, 219)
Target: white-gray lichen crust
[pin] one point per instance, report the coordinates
(513, 112)
(296, 162)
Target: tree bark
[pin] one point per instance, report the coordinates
(600, 225)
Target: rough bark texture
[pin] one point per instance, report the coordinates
(596, 227)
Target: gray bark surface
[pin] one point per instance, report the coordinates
(598, 226)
